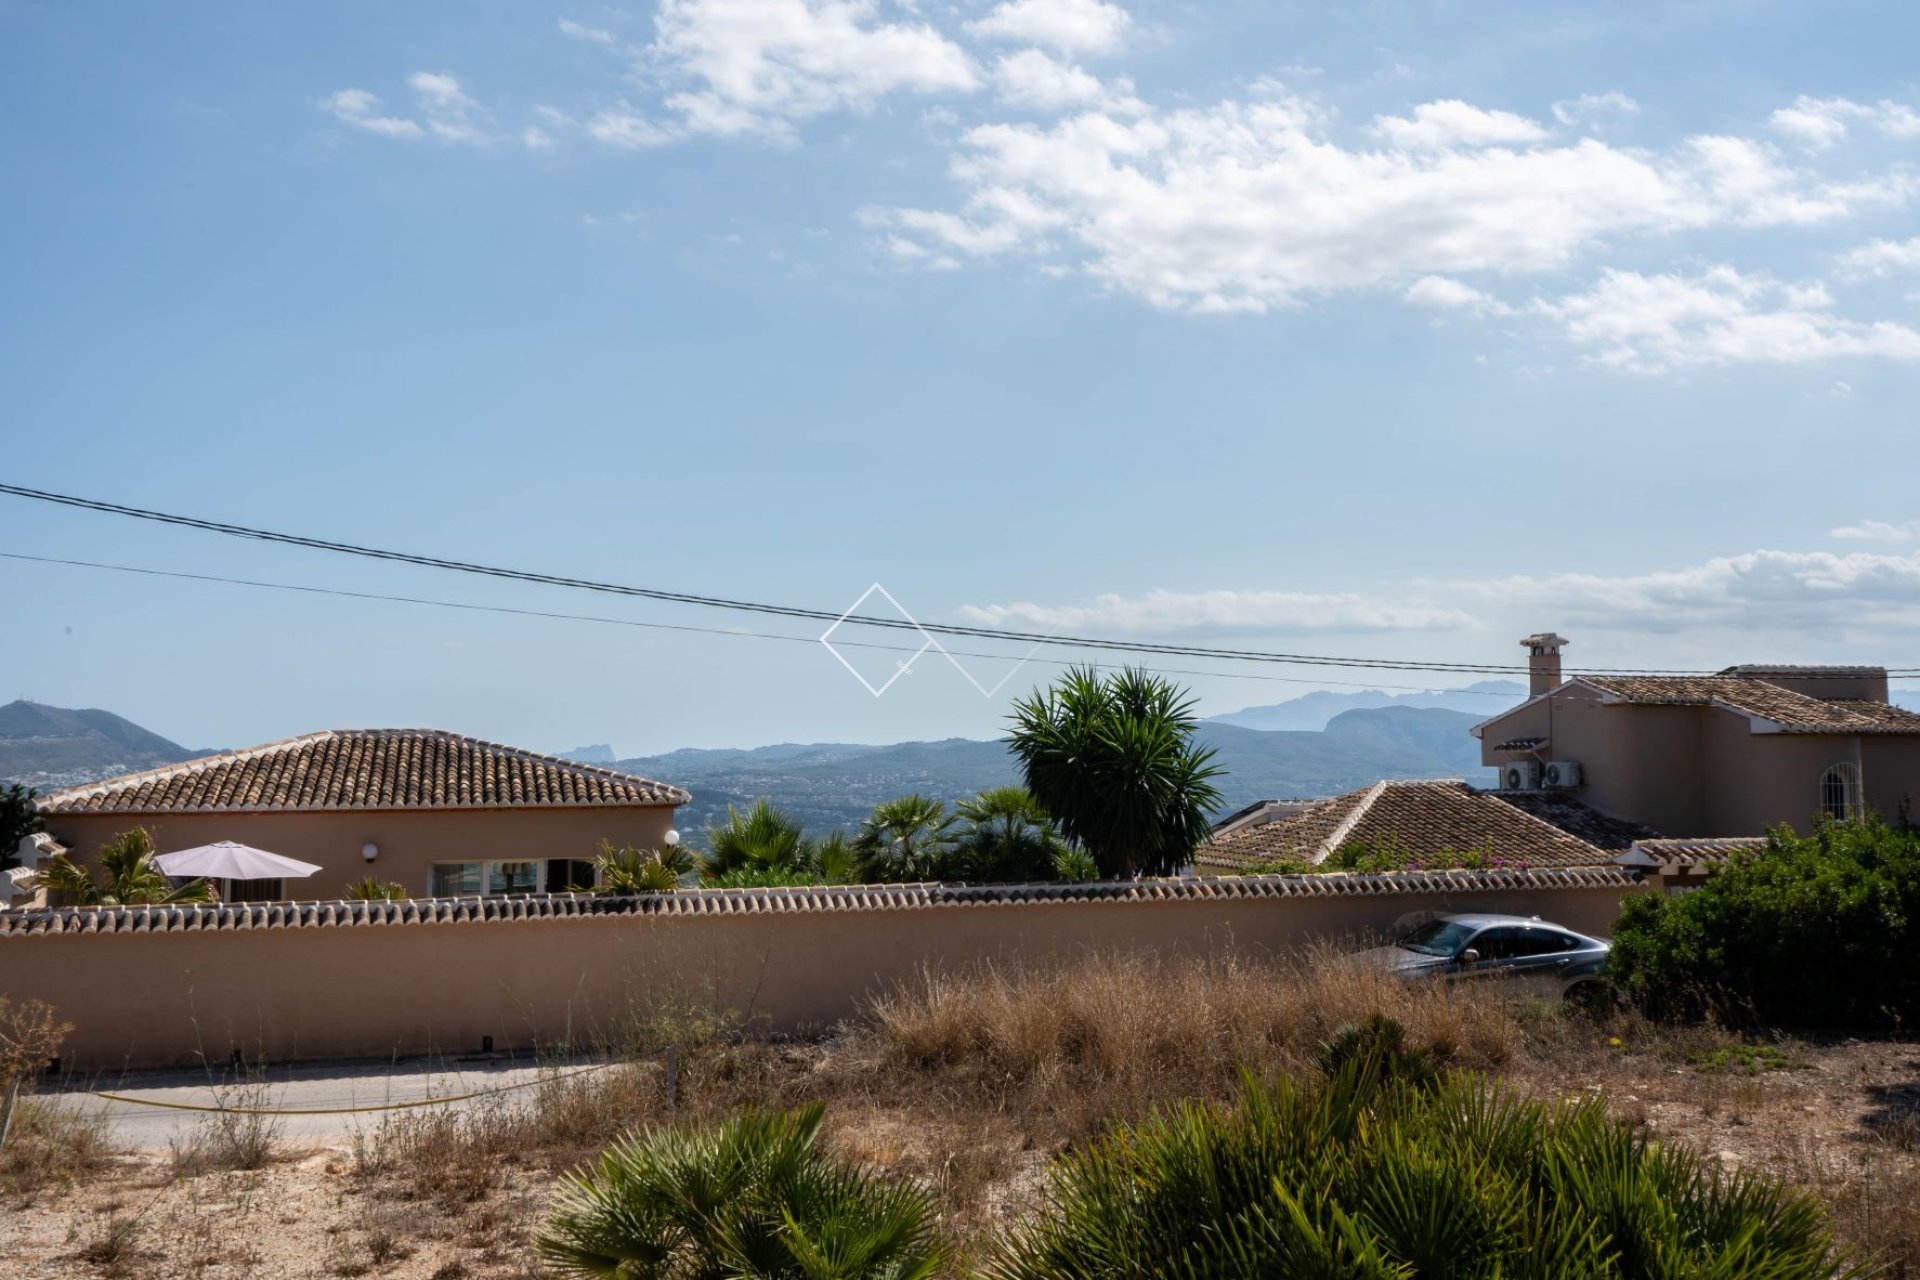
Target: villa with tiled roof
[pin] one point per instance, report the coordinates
(438, 813)
(1424, 820)
(1728, 755)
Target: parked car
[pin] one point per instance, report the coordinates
(1544, 958)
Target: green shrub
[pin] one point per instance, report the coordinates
(1357, 1176)
(1818, 930)
(751, 1198)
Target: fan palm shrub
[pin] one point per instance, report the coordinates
(753, 1197)
(127, 877)
(1114, 760)
(762, 839)
(907, 838)
(374, 889)
(628, 870)
(1364, 1175)
(1007, 837)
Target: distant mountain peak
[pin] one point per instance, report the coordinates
(48, 747)
(1314, 711)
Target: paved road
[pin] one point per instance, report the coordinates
(335, 1085)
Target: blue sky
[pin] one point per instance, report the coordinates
(1389, 329)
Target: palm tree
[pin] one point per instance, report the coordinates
(130, 878)
(373, 889)
(761, 840)
(1008, 838)
(1113, 759)
(753, 1197)
(629, 870)
(910, 838)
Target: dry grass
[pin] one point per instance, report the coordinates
(243, 1135)
(1113, 1035)
(51, 1148)
(971, 1082)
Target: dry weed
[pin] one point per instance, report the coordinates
(51, 1147)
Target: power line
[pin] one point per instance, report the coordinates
(789, 611)
(671, 626)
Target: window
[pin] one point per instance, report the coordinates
(458, 879)
(1840, 792)
(254, 891)
(566, 875)
(493, 879)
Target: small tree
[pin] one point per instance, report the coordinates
(127, 877)
(1113, 759)
(19, 818)
(1008, 838)
(909, 838)
(29, 1039)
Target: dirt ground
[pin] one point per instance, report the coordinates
(1840, 1118)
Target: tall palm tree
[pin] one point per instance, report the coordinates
(753, 1197)
(909, 838)
(762, 840)
(127, 877)
(1008, 837)
(1113, 759)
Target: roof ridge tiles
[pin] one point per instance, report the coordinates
(801, 899)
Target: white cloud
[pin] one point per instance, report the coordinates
(1821, 122)
(758, 65)
(361, 109)
(1881, 258)
(1444, 294)
(1591, 108)
(445, 111)
(1792, 593)
(1040, 82)
(1878, 531)
(621, 127)
(1173, 612)
(1256, 204)
(580, 31)
(1659, 323)
(1453, 123)
(1071, 26)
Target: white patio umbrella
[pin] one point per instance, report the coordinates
(229, 860)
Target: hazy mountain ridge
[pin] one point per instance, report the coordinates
(1313, 711)
(50, 747)
(828, 785)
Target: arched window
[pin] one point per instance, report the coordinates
(1840, 792)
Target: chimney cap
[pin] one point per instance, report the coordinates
(1545, 642)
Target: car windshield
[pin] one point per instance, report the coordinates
(1437, 938)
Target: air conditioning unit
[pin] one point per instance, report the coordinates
(1563, 773)
(1520, 775)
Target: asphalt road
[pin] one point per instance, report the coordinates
(353, 1093)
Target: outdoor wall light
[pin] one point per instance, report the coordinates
(672, 837)
(369, 851)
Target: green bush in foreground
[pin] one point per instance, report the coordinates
(1361, 1175)
(1818, 930)
(751, 1198)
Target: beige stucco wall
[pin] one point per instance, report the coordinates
(410, 841)
(283, 994)
(1701, 771)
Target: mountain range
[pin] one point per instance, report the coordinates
(51, 747)
(828, 785)
(1315, 710)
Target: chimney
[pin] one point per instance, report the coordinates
(1543, 662)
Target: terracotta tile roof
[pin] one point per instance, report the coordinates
(1426, 818)
(365, 769)
(826, 898)
(1689, 851)
(1794, 712)
(1609, 835)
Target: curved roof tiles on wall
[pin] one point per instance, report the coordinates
(746, 902)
